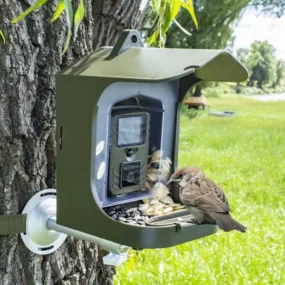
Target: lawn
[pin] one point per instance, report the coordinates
(245, 155)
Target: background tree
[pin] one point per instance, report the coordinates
(216, 23)
(261, 63)
(280, 73)
(273, 7)
(28, 63)
(242, 54)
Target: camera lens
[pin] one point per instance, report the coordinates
(130, 177)
(130, 152)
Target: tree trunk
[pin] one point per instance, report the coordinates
(28, 63)
(198, 90)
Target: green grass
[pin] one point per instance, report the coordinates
(245, 155)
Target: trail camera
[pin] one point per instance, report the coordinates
(129, 147)
(118, 115)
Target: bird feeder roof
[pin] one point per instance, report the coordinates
(137, 63)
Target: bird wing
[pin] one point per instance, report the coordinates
(204, 194)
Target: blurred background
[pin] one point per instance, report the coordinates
(236, 134)
(251, 29)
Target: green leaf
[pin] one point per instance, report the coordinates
(162, 38)
(79, 15)
(69, 17)
(58, 11)
(2, 36)
(34, 7)
(189, 7)
(175, 6)
(69, 12)
(166, 18)
(153, 37)
(156, 5)
(67, 41)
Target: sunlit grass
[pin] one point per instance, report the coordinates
(245, 155)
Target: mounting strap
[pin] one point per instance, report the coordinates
(12, 224)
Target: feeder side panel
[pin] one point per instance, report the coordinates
(75, 97)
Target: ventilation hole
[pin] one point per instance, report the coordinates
(134, 39)
(46, 248)
(48, 193)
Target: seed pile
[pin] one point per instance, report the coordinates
(159, 205)
(130, 216)
(155, 207)
(149, 208)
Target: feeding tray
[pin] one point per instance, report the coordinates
(179, 218)
(115, 109)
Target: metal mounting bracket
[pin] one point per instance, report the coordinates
(38, 238)
(44, 236)
(128, 39)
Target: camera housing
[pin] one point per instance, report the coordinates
(128, 151)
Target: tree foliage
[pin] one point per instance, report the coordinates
(216, 23)
(280, 72)
(162, 14)
(264, 68)
(273, 7)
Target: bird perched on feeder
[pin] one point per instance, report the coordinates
(203, 198)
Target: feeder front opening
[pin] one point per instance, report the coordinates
(140, 162)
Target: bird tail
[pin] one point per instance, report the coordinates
(226, 222)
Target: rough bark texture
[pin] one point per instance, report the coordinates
(28, 63)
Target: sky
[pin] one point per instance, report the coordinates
(254, 26)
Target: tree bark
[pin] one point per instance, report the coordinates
(28, 63)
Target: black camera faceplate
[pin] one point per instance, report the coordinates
(130, 173)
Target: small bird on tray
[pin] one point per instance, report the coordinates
(203, 198)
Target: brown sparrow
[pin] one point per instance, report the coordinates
(203, 198)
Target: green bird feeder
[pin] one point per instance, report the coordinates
(117, 123)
